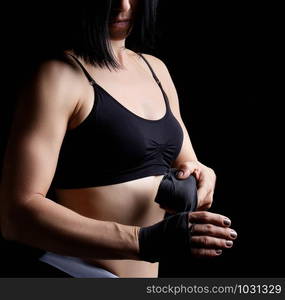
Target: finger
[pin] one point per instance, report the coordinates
(202, 252)
(187, 169)
(208, 242)
(206, 217)
(214, 231)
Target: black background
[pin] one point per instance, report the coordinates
(216, 55)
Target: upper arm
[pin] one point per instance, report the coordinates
(40, 121)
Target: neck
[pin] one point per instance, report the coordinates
(119, 50)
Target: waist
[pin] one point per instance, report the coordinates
(129, 203)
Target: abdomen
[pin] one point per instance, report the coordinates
(128, 203)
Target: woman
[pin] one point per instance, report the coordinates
(102, 125)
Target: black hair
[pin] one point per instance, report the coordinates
(42, 31)
(86, 31)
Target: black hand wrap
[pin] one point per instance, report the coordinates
(169, 238)
(177, 194)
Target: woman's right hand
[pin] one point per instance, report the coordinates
(187, 234)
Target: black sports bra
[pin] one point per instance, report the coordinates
(113, 145)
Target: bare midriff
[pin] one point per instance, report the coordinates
(129, 203)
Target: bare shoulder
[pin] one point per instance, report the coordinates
(57, 82)
(165, 78)
(60, 75)
(159, 68)
(153, 58)
(56, 70)
(157, 63)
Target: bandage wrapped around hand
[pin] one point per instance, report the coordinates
(177, 194)
(167, 239)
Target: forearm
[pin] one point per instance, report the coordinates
(47, 225)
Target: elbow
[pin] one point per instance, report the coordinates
(14, 213)
(5, 232)
(3, 218)
(8, 226)
(13, 222)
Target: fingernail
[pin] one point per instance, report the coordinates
(233, 234)
(219, 252)
(229, 243)
(227, 222)
(180, 173)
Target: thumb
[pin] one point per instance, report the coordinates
(186, 169)
(183, 172)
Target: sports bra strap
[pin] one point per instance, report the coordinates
(156, 79)
(89, 77)
(92, 81)
(153, 74)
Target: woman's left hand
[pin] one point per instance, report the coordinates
(206, 181)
